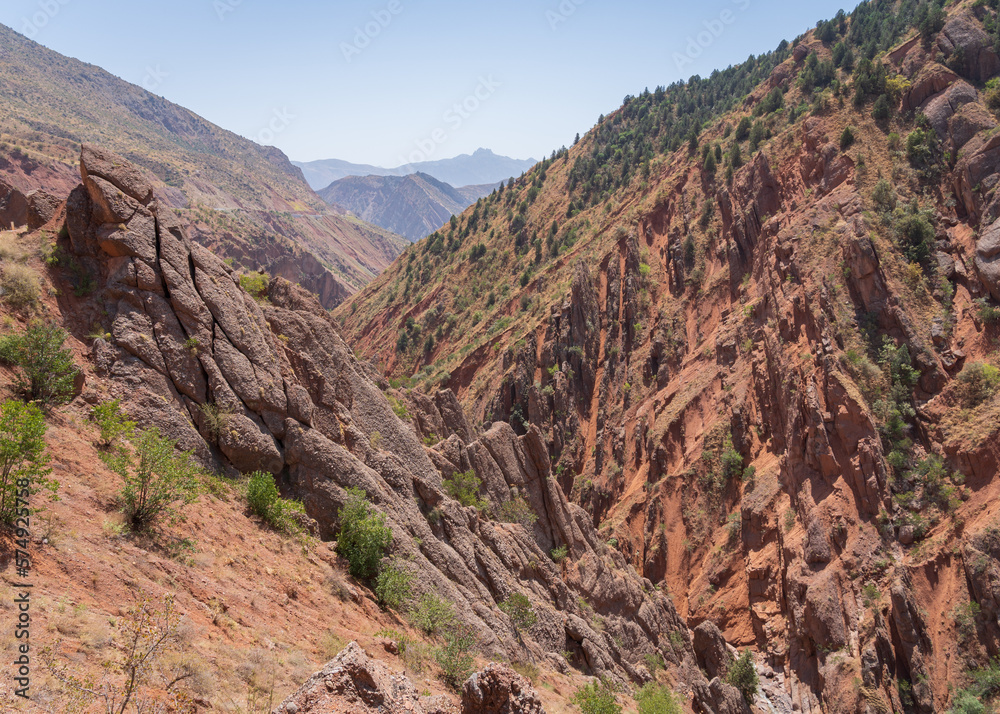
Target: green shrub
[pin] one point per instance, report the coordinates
(393, 585)
(46, 370)
(23, 461)
(157, 478)
(882, 111)
(364, 536)
(597, 698)
(455, 657)
(884, 196)
(113, 425)
(654, 698)
(654, 663)
(517, 510)
(732, 462)
(987, 313)
(9, 349)
(916, 236)
(464, 488)
(432, 614)
(255, 284)
(559, 554)
(976, 383)
(846, 138)
(742, 674)
(518, 608)
(266, 502)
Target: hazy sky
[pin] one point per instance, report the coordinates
(388, 81)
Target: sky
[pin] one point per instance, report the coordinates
(390, 82)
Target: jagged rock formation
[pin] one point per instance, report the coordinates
(354, 683)
(498, 689)
(272, 386)
(716, 391)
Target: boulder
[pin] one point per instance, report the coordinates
(354, 683)
(498, 689)
(710, 649)
(932, 79)
(99, 163)
(42, 208)
(987, 259)
(968, 48)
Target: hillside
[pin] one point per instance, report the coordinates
(412, 206)
(246, 201)
(465, 541)
(480, 167)
(753, 317)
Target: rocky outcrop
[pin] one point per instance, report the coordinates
(987, 259)
(498, 689)
(968, 48)
(42, 208)
(272, 386)
(13, 207)
(354, 683)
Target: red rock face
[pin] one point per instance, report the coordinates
(703, 326)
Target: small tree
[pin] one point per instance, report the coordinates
(518, 608)
(464, 488)
(455, 656)
(23, 461)
(145, 634)
(47, 372)
(114, 426)
(882, 111)
(158, 479)
(846, 138)
(432, 613)
(364, 536)
(742, 674)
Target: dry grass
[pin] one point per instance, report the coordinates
(19, 285)
(11, 249)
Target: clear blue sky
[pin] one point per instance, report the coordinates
(550, 67)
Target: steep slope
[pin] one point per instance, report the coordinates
(412, 206)
(747, 314)
(246, 385)
(479, 167)
(247, 201)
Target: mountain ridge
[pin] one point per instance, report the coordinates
(481, 167)
(244, 200)
(412, 206)
(741, 311)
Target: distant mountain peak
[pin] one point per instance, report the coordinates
(483, 166)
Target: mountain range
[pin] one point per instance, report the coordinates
(412, 206)
(700, 414)
(246, 201)
(480, 167)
